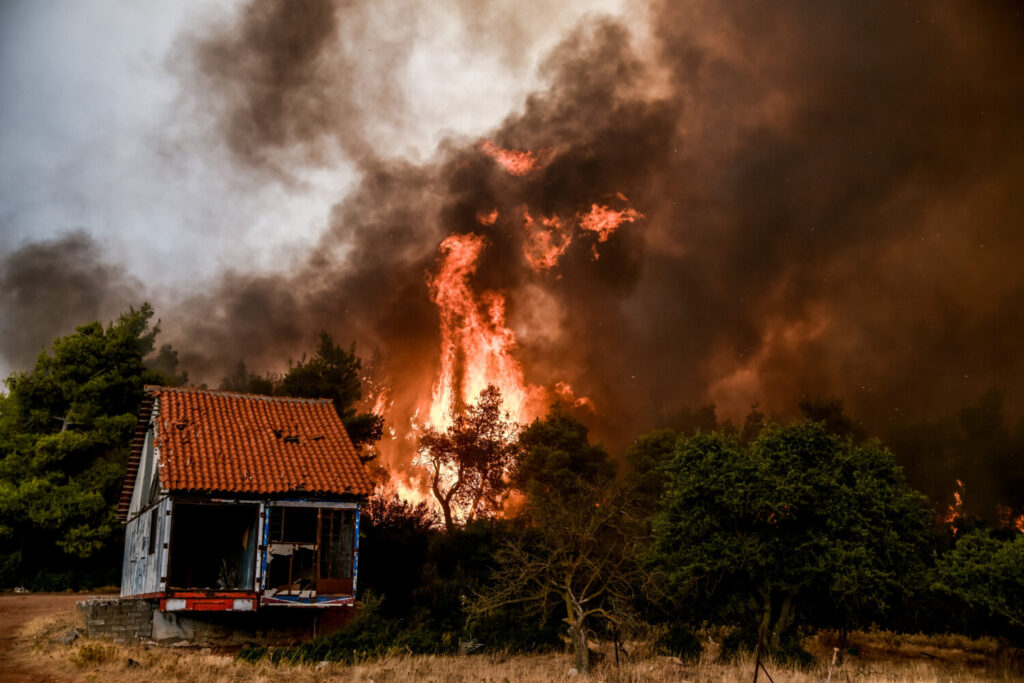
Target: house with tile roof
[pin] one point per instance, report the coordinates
(235, 501)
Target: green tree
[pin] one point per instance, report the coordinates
(65, 428)
(165, 364)
(576, 551)
(830, 412)
(988, 573)
(646, 458)
(798, 522)
(558, 460)
(244, 382)
(687, 422)
(468, 463)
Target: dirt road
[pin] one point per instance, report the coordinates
(16, 610)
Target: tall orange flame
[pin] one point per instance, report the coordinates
(476, 344)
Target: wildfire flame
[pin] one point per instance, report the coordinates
(476, 344)
(605, 220)
(381, 403)
(516, 162)
(395, 485)
(545, 243)
(487, 218)
(1007, 519)
(955, 511)
(566, 393)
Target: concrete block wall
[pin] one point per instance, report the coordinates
(124, 619)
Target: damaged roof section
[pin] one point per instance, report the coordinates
(219, 441)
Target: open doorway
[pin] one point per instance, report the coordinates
(213, 546)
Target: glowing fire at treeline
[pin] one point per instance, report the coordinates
(955, 513)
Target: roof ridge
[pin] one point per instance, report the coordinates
(156, 388)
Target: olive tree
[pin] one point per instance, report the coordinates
(468, 463)
(575, 553)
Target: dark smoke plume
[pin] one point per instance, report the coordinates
(48, 288)
(830, 191)
(830, 195)
(849, 211)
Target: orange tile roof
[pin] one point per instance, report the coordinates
(243, 443)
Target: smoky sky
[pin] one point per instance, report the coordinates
(830, 191)
(48, 288)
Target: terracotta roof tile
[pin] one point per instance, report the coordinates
(244, 443)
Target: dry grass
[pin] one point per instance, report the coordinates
(883, 656)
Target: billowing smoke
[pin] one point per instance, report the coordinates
(850, 213)
(48, 288)
(823, 199)
(284, 84)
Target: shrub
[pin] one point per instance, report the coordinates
(679, 641)
(93, 654)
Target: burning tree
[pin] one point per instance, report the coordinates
(575, 552)
(468, 462)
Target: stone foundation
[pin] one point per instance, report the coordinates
(126, 619)
(268, 626)
(133, 619)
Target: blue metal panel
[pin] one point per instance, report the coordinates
(355, 557)
(266, 548)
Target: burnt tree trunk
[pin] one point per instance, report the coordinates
(445, 499)
(577, 633)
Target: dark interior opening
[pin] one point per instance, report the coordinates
(337, 532)
(213, 546)
(293, 524)
(311, 549)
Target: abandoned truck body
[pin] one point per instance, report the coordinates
(237, 501)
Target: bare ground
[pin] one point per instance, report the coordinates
(16, 611)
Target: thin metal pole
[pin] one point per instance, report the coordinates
(835, 653)
(757, 654)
